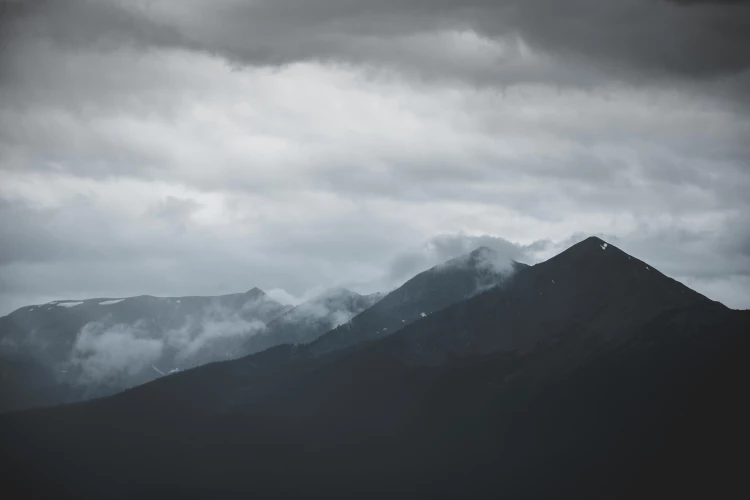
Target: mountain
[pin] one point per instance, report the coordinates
(275, 368)
(590, 375)
(69, 350)
(427, 292)
(308, 321)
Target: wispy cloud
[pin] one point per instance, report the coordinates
(107, 355)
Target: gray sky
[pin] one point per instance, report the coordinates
(178, 147)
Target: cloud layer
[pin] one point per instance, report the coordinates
(104, 355)
(189, 147)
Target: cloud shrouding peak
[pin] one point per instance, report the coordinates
(192, 147)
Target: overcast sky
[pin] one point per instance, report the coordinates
(180, 147)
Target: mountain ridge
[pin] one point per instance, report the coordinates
(563, 382)
(51, 350)
(425, 293)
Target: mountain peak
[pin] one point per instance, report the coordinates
(591, 242)
(595, 241)
(256, 292)
(594, 264)
(591, 247)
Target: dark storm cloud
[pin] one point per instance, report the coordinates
(696, 2)
(633, 39)
(83, 23)
(699, 41)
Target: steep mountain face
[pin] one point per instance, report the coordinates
(308, 321)
(70, 350)
(593, 289)
(591, 375)
(429, 291)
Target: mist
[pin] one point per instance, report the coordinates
(107, 355)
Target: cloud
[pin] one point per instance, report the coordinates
(497, 254)
(332, 307)
(340, 317)
(124, 354)
(177, 147)
(475, 39)
(104, 355)
(486, 260)
(283, 297)
(306, 311)
(212, 335)
(696, 2)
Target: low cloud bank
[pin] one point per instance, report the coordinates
(104, 354)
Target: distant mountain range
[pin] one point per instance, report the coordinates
(590, 375)
(70, 350)
(67, 351)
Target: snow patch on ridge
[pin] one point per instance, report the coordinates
(68, 304)
(110, 302)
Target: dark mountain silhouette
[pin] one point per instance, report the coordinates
(48, 352)
(427, 292)
(591, 375)
(308, 321)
